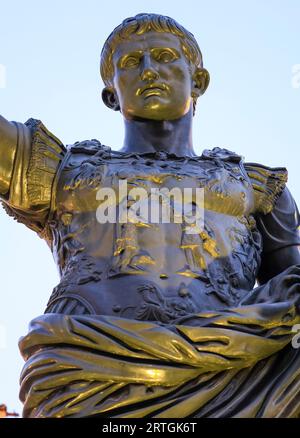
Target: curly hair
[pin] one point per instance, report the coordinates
(139, 25)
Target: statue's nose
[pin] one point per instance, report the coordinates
(148, 73)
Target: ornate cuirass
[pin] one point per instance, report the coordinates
(170, 271)
(148, 270)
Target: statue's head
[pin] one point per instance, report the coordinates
(152, 69)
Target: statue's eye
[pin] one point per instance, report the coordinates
(130, 62)
(166, 56)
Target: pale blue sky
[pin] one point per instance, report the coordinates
(50, 51)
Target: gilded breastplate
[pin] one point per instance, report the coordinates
(221, 259)
(150, 270)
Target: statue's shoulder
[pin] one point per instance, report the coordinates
(267, 182)
(86, 154)
(88, 147)
(222, 154)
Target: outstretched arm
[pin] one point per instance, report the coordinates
(8, 147)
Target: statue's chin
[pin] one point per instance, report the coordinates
(155, 108)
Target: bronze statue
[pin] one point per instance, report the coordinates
(151, 319)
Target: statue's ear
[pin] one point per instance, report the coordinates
(200, 82)
(110, 98)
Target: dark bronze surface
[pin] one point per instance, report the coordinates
(147, 318)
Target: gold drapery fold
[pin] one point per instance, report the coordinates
(231, 363)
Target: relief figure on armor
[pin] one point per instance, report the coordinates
(150, 319)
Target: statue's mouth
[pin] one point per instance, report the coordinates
(153, 89)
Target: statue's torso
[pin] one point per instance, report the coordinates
(152, 270)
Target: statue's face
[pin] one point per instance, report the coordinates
(152, 78)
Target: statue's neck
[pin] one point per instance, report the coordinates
(169, 136)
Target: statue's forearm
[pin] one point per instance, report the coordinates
(8, 145)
